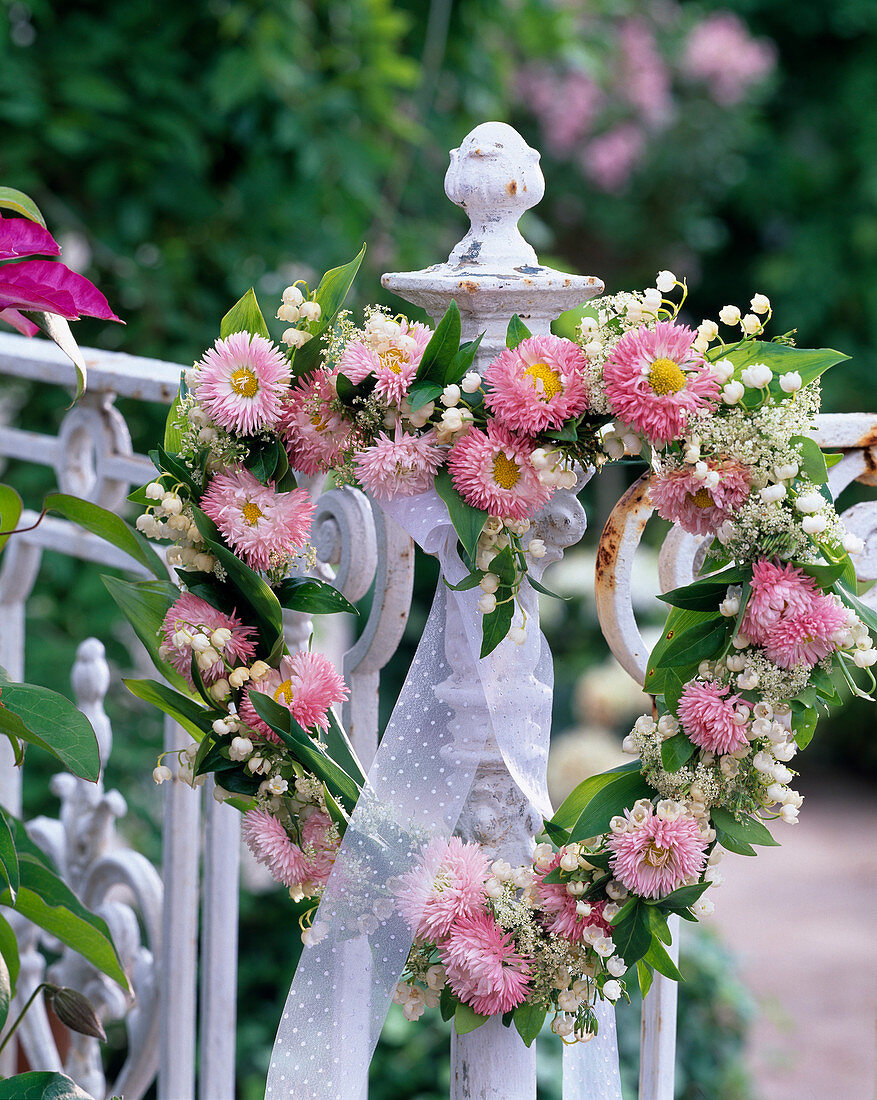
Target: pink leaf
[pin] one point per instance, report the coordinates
(54, 280)
(21, 237)
(19, 321)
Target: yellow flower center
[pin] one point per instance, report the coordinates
(655, 855)
(392, 360)
(665, 376)
(318, 422)
(252, 513)
(442, 881)
(506, 472)
(283, 693)
(545, 381)
(244, 382)
(701, 499)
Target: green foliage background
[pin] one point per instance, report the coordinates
(188, 151)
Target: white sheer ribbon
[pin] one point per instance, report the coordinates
(451, 705)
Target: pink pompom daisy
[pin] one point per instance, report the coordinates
(778, 591)
(448, 883)
(654, 378)
(492, 471)
(707, 714)
(537, 385)
(190, 615)
(560, 909)
(483, 966)
(657, 855)
(399, 467)
(681, 498)
(241, 382)
(316, 437)
(261, 525)
(393, 360)
(308, 684)
(319, 842)
(271, 845)
(804, 639)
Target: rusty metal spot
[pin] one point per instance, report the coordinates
(469, 285)
(512, 187)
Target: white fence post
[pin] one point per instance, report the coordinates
(491, 274)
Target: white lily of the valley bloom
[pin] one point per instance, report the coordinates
(757, 376)
(770, 494)
(241, 748)
(729, 606)
(853, 544)
(809, 503)
(733, 392)
(489, 583)
(162, 774)
(315, 934)
(722, 370)
(703, 907)
(310, 311)
(612, 990)
(750, 324)
(518, 635)
(787, 472)
(864, 658)
(588, 324)
(487, 603)
(729, 315)
(709, 330)
(789, 814)
(450, 396)
(536, 548)
(471, 382)
(292, 296)
(652, 299)
(562, 1026)
(665, 281)
(616, 966)
(295, 337)
(760, 303)
(814, 525)
(790, 382)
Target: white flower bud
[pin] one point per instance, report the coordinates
(289, 313)
(786, 473)
(864, 658)
(310, 311)
(729, 315)
(616, 966)
(536, 548)
(518, 635)
(770, 494)
(665, 281)
(450, 396)
(750, 324)
(471, 382)
(790, 382)
(853, 544)
(733, 392)
(487, 603)
(760, 303)
(292, 296)
(612, 990)
(756, 376)
(162, 774)
(220, 689)
(241, 748)
(155, 490)
(814, 525)
(810, 502)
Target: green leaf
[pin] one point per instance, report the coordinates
(331, 293)
(244, 316)
(545, 591)
(8, 858)
(633, 937)
(708, 593)
(657, 957)
(10, 512)
(744, 833)
(824, 575)
(108, 526)
(496, 625)
(342, 751)
(472, 581)
(676, 751)
(447, 1003)
(173, 434)
(572, 807)
(421, 393)
(191, 715)
(310, 753)
(52, 722)
(145, 604)
(517, 332)
(681, 898)
(263, 458)
(645, 976)
(674, 685)
(528, 1019)
(466, 1019)
(41, 1085)
(810, 363)
(265, 606)
(804, 722)
(45, 900)
(678, 621)
(9, 950)
(468, 521)
(812, 462)
(442, 348)
(10, 199)
(172, 465)
(314, 597)
(463, 360)
(701, 641)
(610, 798)
(5, 991)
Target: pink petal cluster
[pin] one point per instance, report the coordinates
(271, 845)
(399, 467)
(260, 524)
(492, 471)
(681, 498)
(446, 885)
(483, 966)
(560, 909)
(241, 383)
(537, 385)
(306, 866)
(721, 51)
(191, 613)
(654, 378)
(707, 712)
(656, 856)
(790, 617)
(308, 684)
(316, 437)
(394, 365)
